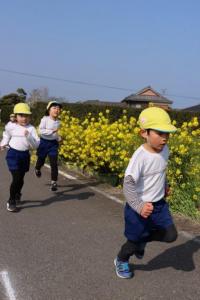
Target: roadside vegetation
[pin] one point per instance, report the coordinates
(103, 147)
(100, 140)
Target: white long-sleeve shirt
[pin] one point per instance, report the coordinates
(15, 137)
(46, 128)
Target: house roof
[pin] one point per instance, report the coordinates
(193, 108)
(147, 94)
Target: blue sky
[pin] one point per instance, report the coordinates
(129, 44)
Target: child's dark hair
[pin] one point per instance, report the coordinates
(47, 112)
(148, 130)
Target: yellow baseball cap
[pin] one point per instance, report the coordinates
(22, 108)
(53, 103)
(156, 118)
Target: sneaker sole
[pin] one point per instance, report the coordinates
(53, 188)
(38, 176)
(139, 256)
(15, 210)
(120, 276)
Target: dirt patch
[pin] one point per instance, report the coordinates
(185, 224)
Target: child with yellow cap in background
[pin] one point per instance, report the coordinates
(49, 142)
(20, 138)
(11, 123)
(147, 215)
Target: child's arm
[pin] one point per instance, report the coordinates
(6, 139)
(132, 198)
(42, 128)
(32, 138)
(167, 188)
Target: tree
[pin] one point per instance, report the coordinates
(38, 95)
(22, 94)
(10, 99)
(13, 98)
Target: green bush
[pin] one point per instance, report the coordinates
(80, 110)
(183, 116)
(38, 111)
(6, 110)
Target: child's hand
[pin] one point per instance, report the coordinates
(26, 132)
(167, 191)
(55, 130)
(2, 148)
(146, 210)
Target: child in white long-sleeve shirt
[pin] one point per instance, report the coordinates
(147, 215)
(49, 142)
(20, 137)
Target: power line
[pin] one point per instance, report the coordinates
(88, 83)
(65, 80)
(184, 97)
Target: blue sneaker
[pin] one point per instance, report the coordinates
(122, 269)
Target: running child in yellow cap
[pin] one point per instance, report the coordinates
(20, 137)
(147, 215)
(49, 142)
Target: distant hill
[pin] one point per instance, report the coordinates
(193, 108)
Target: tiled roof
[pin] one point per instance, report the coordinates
(145, 98)
(140, 97)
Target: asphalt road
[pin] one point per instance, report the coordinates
(61, 246)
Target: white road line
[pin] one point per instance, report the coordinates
(63, 173)
(67, 175)
(106, 195)
(7, 284)
(184, 234)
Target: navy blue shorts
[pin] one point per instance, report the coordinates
(18, 160)
(47, 147)
(138, 228)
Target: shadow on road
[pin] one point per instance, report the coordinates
(59, 196)
(179, 257)
(74, 186)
